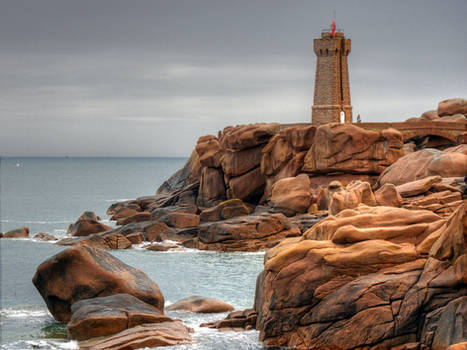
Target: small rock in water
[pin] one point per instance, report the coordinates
(200, 304)
(161, 247)
(22, 232)
(41, 236)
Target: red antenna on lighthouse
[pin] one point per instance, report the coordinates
(333, 23)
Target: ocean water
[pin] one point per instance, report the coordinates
(47, 194)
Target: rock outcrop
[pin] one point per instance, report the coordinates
(83, 272)
(87, 224)
(370, 277)
(200, 304)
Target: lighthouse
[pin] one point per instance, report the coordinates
(331, 101)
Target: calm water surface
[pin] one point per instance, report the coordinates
(47, 194)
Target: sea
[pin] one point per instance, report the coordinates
(48, 194)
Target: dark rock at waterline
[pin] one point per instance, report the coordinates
(237, 321)
(135, 238)
(42, 236)
(200, 304)
(1, 234)
(22, 232)
(103, 240)
(84, 272)
(86, 225)
(104, 316)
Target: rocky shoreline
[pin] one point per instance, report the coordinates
(365, 233)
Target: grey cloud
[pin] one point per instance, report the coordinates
(118, 77)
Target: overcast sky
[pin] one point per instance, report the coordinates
(147, 78)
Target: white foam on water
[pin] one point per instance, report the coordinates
(118, 200)
(35, 221)
(47, 344)
(21, 313)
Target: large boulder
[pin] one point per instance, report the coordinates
(22, 232)
(199, 304)
(349, 149)
(291, 195)
(148, 335)
(236, 138)
(104, 316)
(245, 233)
(87, 224)
(83, 272)
(376, 277)
(452, 106)
(421, 164)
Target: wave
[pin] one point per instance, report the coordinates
(118, 200)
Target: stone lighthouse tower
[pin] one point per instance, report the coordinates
(332, 91)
